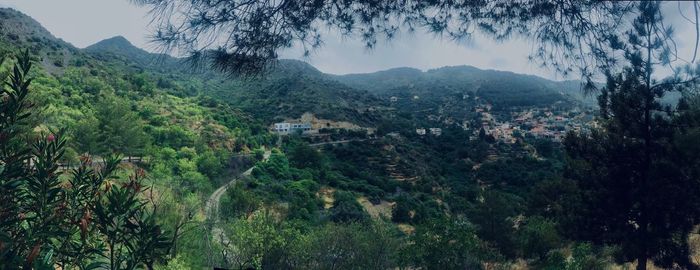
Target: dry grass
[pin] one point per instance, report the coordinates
(405, 228)
(326, 195)
(694, 243)
(383, 209)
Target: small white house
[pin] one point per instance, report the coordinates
(286, 128)
(420, 131)
(282, 127)
(436, 131)
(394, 99)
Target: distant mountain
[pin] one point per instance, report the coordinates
(118, 46)
(120, 49)
(18, 30)
(574, 89)
(288, 89)
(291, 88)
(500, 88)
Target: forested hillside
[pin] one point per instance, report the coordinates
(112, 157)
(287, 90)
(187, 130)
(290, 88)
(185, 143)
(503, 89)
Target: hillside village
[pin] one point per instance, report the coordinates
(547, 122)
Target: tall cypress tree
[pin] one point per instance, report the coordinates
(636, 191)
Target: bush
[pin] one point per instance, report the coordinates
(347, 209)
(196, 182)
(537, 237)
(238, 202)
(209, 164)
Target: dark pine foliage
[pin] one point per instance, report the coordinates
(639, 190)
(242, 37)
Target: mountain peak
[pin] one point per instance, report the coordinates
(18, 28)
(292, 65)
(120, 47)
(114, 44)
(121, 40)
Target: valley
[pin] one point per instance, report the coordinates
(385, 146)
(113, 157)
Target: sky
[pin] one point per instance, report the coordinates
(85, 22)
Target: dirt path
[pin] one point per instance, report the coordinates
(211, 207)
(337, 142)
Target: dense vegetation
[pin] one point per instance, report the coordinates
(625, 191)
(94, 109)
(85, 219)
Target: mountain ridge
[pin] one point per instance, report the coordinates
(293, 87)
(124, 44)
(304, 82)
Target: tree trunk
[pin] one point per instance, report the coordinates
(642, 262)
(644, 221)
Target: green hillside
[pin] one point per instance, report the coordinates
(292, 88)
(119, 50)
(396, 199)
(21, 31)
(500, 88)
(185, 143)
(288, 90)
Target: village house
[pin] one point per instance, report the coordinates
(466, 125)
(282, 127)
(287, 128)
(436, 131)
(420, 131)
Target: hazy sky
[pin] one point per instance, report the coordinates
(84, 22)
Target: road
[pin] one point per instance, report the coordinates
(211, 207)
(336, 142)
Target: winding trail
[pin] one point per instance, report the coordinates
(211, 207)
(338, 142)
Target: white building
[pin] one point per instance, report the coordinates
(282, 127)
(420, 131)
(394, 99)
(286, 128)
(436, 131)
